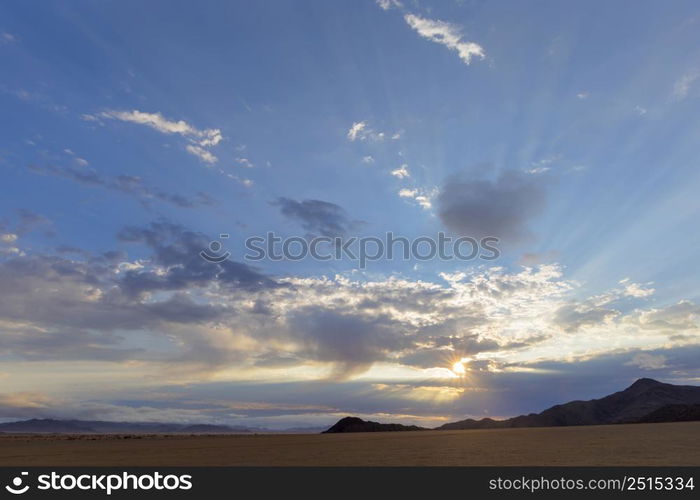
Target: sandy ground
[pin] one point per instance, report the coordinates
(640, 444)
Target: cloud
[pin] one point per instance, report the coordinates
(423, 197)
(402, 334)
(572, 317)
(445, 34)
(389, 4)
(501, 208)
(684, 84)
(209, 137)
(72, 344)
(635, 289)
(244, 162)
(200, 139)
(248, 183)
(583, 95)
(318, 217)
(177, 314)
(23, 404)
(679, 317)
(647, 361)
(544, 165)
(179, 266)
(201, 153)
(351, 342)
(368, 159)
(29, 221)
(126, 184)
(7, 243)
(401, 172)
(81, 162)
(357, 131)
(7, 38)
(105, 308)
(361, 131)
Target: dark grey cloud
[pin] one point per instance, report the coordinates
(477, 207)
(177, 250)
(350, 341)
(126, 184)
(318, 217)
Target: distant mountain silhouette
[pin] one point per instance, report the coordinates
(101, 427)
(646, 400)
(56, 426)
(631, 405)
(354, 424)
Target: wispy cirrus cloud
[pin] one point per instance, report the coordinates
(684, 84)
(446, 34)
(127, 184)
(7, 38)
(201, 140)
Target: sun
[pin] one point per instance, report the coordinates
(458, 368)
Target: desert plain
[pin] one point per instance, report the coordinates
(600, 445)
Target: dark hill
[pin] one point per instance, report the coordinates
(354, 424)
(673, 413)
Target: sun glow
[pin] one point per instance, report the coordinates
(458, 368)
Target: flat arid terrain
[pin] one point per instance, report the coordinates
(604, 445)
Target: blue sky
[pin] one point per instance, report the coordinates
(135, 133)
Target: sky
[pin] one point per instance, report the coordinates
(135, 134)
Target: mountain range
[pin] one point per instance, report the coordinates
(646, 400)
(55, 426)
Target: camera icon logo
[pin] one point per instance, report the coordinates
(16, 487)
(215, 247)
